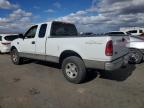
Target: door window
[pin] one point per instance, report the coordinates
(31, 32)
(42, 30)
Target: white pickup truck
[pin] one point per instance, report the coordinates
(59, 42)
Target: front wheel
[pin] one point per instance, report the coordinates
(74, 69)
(135, 56)
(16, 59)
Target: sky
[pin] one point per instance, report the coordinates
(96, 16)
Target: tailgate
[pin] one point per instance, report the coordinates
(119, 46)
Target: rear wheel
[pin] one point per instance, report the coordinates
(135, 56)
(16, 59)
(74, 69)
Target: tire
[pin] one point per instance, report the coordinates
(16, 59)
(136, 56)
(74, 69)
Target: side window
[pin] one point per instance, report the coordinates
(58, 29)
(31, 32)
(42, 30)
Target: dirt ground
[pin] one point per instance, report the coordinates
(42, 85)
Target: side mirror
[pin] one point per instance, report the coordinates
(21, 36)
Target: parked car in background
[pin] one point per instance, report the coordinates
(116, 33)
(125, 35)
(136, 46)
(87, 34)
(5, 42)
(59, 42)
(142, 35)
(136, 31)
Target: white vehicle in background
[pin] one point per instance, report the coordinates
(136, 45)
(59, 42)
(5, 42)
(120, 33)
(136, 31)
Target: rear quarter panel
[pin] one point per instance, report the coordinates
(90, 48)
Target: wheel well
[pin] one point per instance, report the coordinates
(13, 47)
(66, 54)
(135, 49)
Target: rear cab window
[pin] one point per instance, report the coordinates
(10, 37)
(60, 29)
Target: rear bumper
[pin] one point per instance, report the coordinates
(109, 66)
(123, 61)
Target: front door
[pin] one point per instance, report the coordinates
(29, 43)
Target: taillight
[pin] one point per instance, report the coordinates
(5, 43)
(109, 48)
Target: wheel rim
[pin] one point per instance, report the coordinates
(14, 56)
(134, 57)
(71, 70)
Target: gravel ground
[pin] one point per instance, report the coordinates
(42, 85)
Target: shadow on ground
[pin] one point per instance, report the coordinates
(119, 75)
(44, 63)
(50, 64)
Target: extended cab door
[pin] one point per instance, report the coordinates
(29, 42)
(41, 42)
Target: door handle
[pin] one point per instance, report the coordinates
(33, 42)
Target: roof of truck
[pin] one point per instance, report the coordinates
(53, 21)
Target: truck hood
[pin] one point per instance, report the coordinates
(15, 41)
